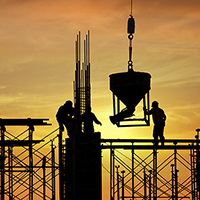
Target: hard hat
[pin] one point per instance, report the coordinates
(154, 104)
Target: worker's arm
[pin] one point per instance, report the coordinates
(147, 112)
(164, 116)
(96, 120)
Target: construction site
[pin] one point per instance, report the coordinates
(55, 167)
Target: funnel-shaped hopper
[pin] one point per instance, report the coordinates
(130, 87)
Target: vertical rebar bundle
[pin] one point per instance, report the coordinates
(82, 86)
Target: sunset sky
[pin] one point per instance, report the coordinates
(37, 58)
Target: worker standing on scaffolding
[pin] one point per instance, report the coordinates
(65, 118)
(88, 118)
(159, 118)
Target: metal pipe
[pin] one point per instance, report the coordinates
(175, 169)
(123, 184)
(53, 170)
(154, 174)
(60, 164)
(44, 176)
(145, 185)
(111, 172)
(118, 194)
(31, 129)
(150, 184)
(2, 158)
(113, 160)
(132, 171)
(172, 165)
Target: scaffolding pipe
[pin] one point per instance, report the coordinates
(145, 185)
(113, 165)
(150, 184)
(60, 164)
(175, 169)
(123, 184)
(118, 198)
(110, 172)
(154, 174)
(2, 161)
(31, 129)
(53, 170)
(172, 165)
(10, 163)
(132, 171)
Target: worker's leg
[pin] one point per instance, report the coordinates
(155, 135)
(69, 124)
(160, 132)
(162, 138)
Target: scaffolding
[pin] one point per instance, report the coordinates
(28, 167)
(150, 172)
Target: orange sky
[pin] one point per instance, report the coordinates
(37, 60)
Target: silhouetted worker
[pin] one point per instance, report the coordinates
(64, 117)
(88, 118)
(159, 118)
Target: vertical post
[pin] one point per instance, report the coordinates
(53, 170)
(192, 172)
(2, 158)
(118, 109)
(113, 174)
(175, 169)
(9, 172)
(145, 185)
(144, 105)
(111, 171)
(60, 164)
(172, 165)
(150, 184)
(89, 87)
(117, 182)
(10, 157)
(114, 112)
(148, 107)
(154, 174)
(123, 184)
(31, 129)
(176, 175)
(132, 152)
(197, 170)
(44, 177)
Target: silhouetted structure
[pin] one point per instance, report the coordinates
(159, 118)
(83, 167)
(80, 155)
(64, 117)
(88, 118)
(130, 88)
(80, 175)
(20, 173)
(146, 175)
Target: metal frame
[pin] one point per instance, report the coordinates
(28, 171)
(145, 176)
(132, 120)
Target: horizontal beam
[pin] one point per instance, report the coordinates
(19, 142)
(150, 147)
(174, 141)
(23, 122)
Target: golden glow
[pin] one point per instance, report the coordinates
(37, 61)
